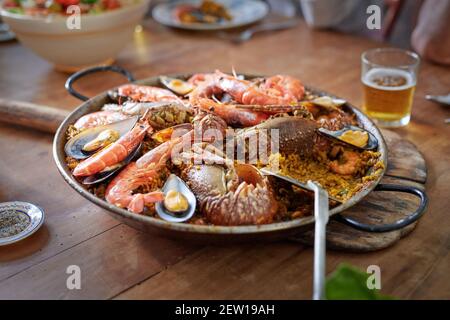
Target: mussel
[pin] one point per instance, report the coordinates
(328, 102)
(352, 135)
(179, 203)
(178, 86)
(91, 140)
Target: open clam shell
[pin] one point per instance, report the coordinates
(372, 141)
(178, 86)
(175, 183)
(74, 147)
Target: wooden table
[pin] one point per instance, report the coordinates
(117, 261)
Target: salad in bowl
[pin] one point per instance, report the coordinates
(103, 28)
(48, 7)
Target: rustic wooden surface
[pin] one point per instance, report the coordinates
(119, 262)
(406, 166)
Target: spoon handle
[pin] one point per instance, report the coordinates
(439, 99)
(321, 219)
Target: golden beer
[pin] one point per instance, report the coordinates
(389, 78)
(388, 94)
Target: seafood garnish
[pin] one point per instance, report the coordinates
(232, 195)
(328, 102)
(178, 86)
(146, 93)
(275, 90)
(366, 140)
(104, 138)
(108, 172)
(199, 152)
(75, 147)
(159, 114)
(99, 118)
(148, 170)
(176, 187)
(114, 153)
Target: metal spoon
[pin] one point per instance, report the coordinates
(248, 34)
(321, 215)
(443, 99)
(295, 182)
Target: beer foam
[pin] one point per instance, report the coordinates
(382, 72)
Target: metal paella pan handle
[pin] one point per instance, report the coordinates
(399, 224)
(77, 75)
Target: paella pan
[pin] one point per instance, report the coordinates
(117, 150)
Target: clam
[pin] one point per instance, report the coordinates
(110, 171)
(90, 140)
(178, 86)
(354, 136)
(179, 203)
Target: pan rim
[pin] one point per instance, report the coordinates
(83, 109)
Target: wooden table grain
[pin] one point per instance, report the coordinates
(117, 261)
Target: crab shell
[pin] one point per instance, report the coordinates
(237, 195)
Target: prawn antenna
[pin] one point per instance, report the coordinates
(233, 71)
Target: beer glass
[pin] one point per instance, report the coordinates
(389, 78)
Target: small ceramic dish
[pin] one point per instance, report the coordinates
(19, 220)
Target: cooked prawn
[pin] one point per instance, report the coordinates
(114, 153)
(277, 90)
(234, 116)
(120, 190)
(149, 169)
(99, 118)
(348, 163)
(147, 93)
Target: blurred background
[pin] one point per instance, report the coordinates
(421, 25)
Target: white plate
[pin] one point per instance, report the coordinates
(35, 216)
(243, 13)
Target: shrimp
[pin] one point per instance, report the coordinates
(234, 116)
(145, 171)
(277, 90)
(99, 118)
(348, 164)
(114, 153)
(150, 168)
(147, 93)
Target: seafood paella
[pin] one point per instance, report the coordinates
(197, 150)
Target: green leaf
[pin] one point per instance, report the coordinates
(350, 283)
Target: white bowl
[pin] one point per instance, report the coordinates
(98, 41)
